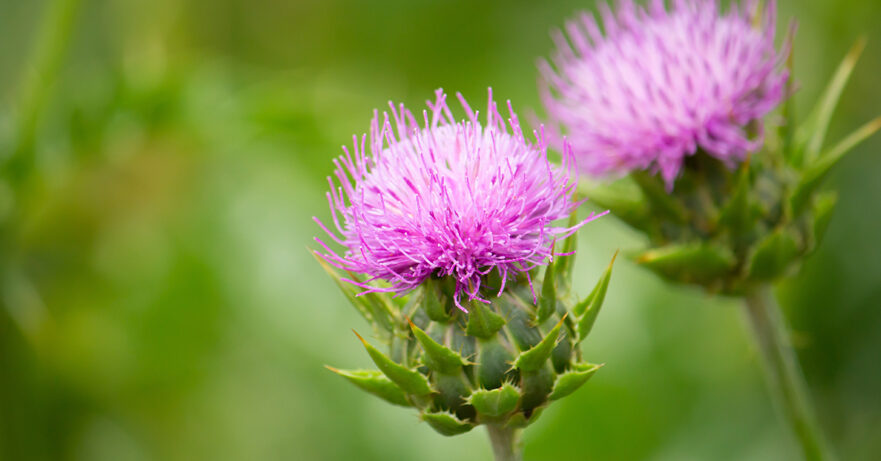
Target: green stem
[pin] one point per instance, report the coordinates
(783, 373)
(505, 442)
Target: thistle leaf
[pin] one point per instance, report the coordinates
(497, 402)
(773, 256)
(571, 380)
(483, 322)
(534, 358)
(411, 381)
(589, 308)
(374, 382)
(437, 357)
(815, 173)
(547, 304)
(813, 132)
(446, 423)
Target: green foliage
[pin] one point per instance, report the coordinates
(535, 358)
(409, 380)
(446, 423)
(483, 322)
(547, 303)
(437, 357)
(158, 303)
(375, 383)
(495, 403)
(497, 363)
(571, 380)
(773, 255)
(588, 309)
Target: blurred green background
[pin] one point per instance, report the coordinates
(159, 301)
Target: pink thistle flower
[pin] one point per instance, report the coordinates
(661, 84)
(449, 198)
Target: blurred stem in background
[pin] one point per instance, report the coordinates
(782, 372)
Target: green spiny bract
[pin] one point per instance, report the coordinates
(500, 363)
(731, 230)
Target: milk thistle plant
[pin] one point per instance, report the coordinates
(452, 251)
(675, 101)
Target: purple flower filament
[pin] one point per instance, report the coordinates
(446, 198)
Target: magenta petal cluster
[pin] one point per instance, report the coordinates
(658, 85)
(446, 198)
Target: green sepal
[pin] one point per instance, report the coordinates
(434, 301)
(535, 386)
(374, 382)
(622, 198)
(436, 356)
(378, 315)
(534, 358)
(547, 304)
(772, 256)
(482, 321)
(493, 364)
(738, 214)
(452, 390)
(571, 380)
(496, 402)
(812, 133)
(589, 308)
(411, 381)
(446, 423)
(519, 420)
(815, 173)
(823, 208)
(691, 262)
(564, 263)
(520, 321)
(561, 357)
(598, 294)
(659, 198)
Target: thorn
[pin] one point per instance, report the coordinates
(359, 336)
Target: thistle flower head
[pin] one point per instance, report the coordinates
(661, 84)
(446, 198)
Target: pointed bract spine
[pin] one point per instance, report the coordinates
(409, 380)
(376, 383)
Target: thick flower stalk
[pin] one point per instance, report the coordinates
(675, 99)
(453, 251)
